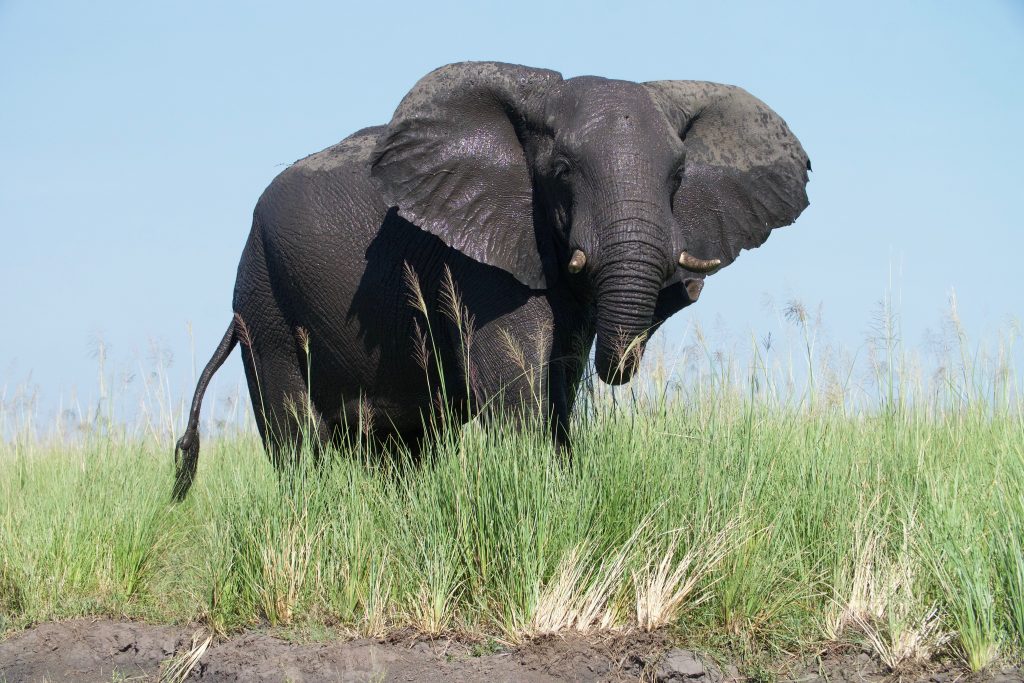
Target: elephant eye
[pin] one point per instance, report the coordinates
(561, 168)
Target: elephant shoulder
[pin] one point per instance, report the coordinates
(355, 150)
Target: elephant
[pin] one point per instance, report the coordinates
(467, 255)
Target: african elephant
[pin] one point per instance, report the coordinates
(480, 241)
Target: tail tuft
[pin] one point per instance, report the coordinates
(186, 458)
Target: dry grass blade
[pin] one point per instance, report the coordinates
(630, 353)
(285, 565)
(579, 598)
(459, 315)
(377, 610)
(527, 371)
(513, 349)
(900, 643)
(177, 668)
(663, 587)
(412, 281)
(421, 347)
(434, 606)
(883, 605)
(555, 606)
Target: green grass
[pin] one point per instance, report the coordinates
(729, 508)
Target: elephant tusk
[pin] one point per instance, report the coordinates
(698, 265)
(578, 260)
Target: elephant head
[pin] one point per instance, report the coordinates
(631, 190)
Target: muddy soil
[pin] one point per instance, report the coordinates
(104, 650)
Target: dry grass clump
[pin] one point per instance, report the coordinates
(881, 601)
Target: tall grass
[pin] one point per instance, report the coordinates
(771, 504)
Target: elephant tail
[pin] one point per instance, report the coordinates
(186, 451)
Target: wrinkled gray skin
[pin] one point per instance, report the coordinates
(497, 174)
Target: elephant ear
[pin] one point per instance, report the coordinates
(744, 173)
(452, 161)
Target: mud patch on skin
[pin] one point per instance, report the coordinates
(105, 650)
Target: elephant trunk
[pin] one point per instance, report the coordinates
(627, 287)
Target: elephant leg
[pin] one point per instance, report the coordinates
(568, 363)
(364, 423)
(510, 371)
(540, 395)
(564, 381)
(285, 415)
(509, 385)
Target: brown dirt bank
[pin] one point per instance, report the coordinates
(105, 650)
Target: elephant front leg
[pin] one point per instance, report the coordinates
(527, 382)
(510, 375)
(566, 367)
(509, 380)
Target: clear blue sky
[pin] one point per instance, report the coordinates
(135, 140)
